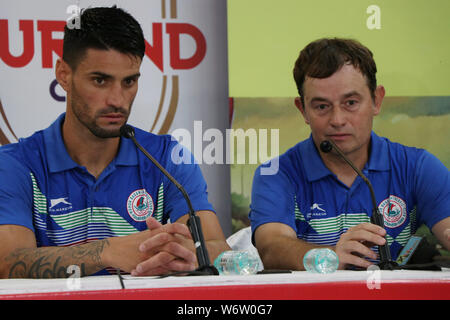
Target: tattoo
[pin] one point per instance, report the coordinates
(53, 262)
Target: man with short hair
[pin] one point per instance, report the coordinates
(78, 194)
(316, 199)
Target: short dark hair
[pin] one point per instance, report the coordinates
(103, 28)
(323, 57)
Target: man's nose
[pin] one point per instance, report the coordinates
(338, 117)
(116, 96)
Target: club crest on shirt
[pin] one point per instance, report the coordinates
(140, 205)
(394, 211)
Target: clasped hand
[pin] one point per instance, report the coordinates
(159, 250)
(167, 249)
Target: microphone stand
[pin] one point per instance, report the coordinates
(194, 225)
(386, 262)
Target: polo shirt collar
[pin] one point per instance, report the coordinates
(59, 159)
(379, 154)
(128, 153)
(312, 162)
(315, 168)
(57, 156)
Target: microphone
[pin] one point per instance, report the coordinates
(386, 262)
(204, 266)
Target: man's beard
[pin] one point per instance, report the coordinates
(80, 110)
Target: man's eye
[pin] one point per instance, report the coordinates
(99, 81)
(351, 103)
(129, 82)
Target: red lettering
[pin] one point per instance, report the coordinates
(155, 52)
(26, 26)
(174, 30)
(50, 45)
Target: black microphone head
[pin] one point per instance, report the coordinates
(127, 131)
(326, 146)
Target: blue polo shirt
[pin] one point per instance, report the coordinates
(411, 187)
(43, 189)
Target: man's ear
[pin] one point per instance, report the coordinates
(63, 73)
(379, 95)
(301, 108)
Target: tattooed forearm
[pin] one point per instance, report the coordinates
(53, 262)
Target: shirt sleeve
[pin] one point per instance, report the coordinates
(432, 190)
(272, 199)
(183, 167)
(16, 193)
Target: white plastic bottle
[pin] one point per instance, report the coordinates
(237, 262)
(321, 260)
